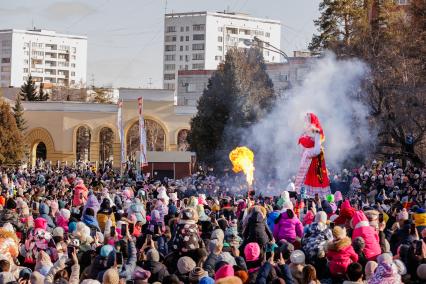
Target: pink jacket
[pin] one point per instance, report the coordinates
(79, 188)
(288, 229)
(363, 229)
(340, 254)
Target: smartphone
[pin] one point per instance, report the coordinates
(70, 251)
(119, 258)
(92, 232)
(131, 228)
(123, 229)
(381, 217)
(419, 247)
(332, 225)
(112, 234)
(148, 238)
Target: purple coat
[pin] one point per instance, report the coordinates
(287, 228)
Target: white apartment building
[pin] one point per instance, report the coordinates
(48, 56)
(200, 40)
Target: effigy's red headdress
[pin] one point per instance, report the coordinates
(306, 140)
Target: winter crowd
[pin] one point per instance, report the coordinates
(74, 225)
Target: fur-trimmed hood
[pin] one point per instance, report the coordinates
(337, 245)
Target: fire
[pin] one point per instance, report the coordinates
(242, 160)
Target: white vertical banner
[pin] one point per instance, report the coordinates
(121, 130)
(143, 161)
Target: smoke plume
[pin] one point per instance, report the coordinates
(330, 90)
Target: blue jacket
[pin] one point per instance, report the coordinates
(271, 219)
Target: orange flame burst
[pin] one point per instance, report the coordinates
(242, 160)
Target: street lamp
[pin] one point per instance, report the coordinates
(261, 44)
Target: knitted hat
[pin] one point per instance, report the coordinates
(153, 255)
(185, 264)
(206, 280)
(321, 216)
(421, 271)
(252, 251)
(65, 213)
(40, 223)
(218, 234)
(197, 273)
(224, 271)
(403, 215)
(111, 277)
(10, 204)
(370, 267)
(297, 257)
(229, 280)
(339, 232)
(243, 275)
(141, 274)
(58, 232)
(106, 250)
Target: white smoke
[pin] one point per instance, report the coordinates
(330, 90)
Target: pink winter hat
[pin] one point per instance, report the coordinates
(252, 251)
(338, 196)
(224, 271)
(40, 223)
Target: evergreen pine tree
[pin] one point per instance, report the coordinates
(239, 94)
(18, 113)
(11, 140)
(42, 94)
(28, 90)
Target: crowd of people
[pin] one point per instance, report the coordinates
(78, 225)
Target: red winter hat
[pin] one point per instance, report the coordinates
(40, 223)
(252, 251)
(224, 271)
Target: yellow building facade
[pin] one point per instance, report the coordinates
(53, 128)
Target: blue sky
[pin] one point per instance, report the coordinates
(125, 37)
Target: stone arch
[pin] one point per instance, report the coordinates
(178, 133)
(34, 137)
(131, 122)
(74, 142)
(97, 132)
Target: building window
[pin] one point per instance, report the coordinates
(26, 61)
(181, 57)
(198, 37)
(218, 58)
(198, 27)
(219, 48)
(25, 70)
(187, 38)
(37, 45)
(64, 47)
(170, 38)
(198, 46)
(198, 56)
(37, 53)
(186, 58)
(170, 48)
(5, 60)
(73, 49)
(72, 73)
(170, 29)
(186, 67)
(187, 28)
(72, 65)
(187, 47)
(182, 29)
(283, 77)
(181, 38)
(198, 66)
(181, 48)
(220, 29)
(169, 57)
(169, 76)
(220, 39)
(169, 67)
(7, 69)
(268, 34)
